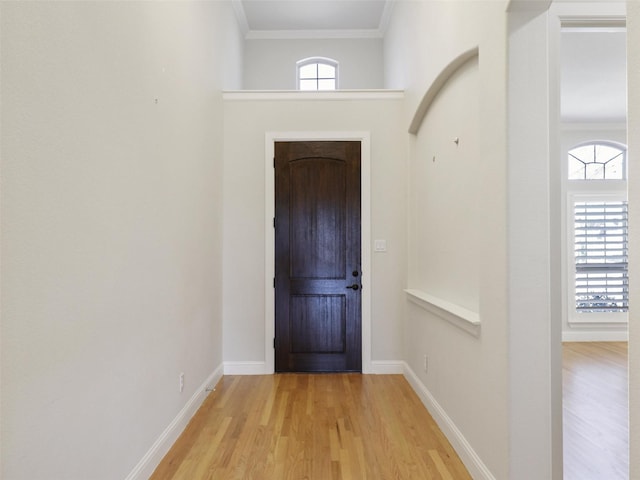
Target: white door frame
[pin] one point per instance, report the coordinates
(586, 16)
(269, 209)
(560, 15)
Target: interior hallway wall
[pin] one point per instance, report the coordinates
(461, 197)
(111, 226)
(246, 122)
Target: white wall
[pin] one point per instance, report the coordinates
(111, 226)
(467, 375)
(633, 128)
(271, 64)
(535, 405)
(246, 122)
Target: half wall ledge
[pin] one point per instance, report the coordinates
(322, 95)
(459, 316)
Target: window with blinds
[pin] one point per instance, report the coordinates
(601, 248)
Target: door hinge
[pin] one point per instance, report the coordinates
(274, 222)
(274, 342)
(274, 282)
(274, 162)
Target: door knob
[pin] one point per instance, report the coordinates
(355, 286)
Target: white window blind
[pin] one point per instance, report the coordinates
(601, 249)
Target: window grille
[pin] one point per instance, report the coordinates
(317, 74)
(598, 161)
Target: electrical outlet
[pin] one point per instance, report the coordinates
(181, 379)
(426, 364)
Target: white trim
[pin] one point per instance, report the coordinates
(600, 318)
(323, 95)
(596, 336)
(245, 368)
(601, 24)
(161, 446)
(312, 34)
(387, 367)
(598, 14)
(463, 448)
(365, 155)
(438, 83)
(455, 314)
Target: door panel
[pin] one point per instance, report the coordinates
(317, 323)
(318, 317)
(317, 218)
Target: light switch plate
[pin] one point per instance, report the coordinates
(380, 245)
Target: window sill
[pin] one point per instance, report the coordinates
(599, 320)
(456, 315)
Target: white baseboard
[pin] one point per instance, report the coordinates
(596, 336)
(380, 367)
(465, 451)
(387, 367)
(165, 441)
(245, 368)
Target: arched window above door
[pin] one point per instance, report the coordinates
(317, 73)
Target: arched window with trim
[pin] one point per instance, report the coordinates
(598, 161)
(597, 173)
(317, 73)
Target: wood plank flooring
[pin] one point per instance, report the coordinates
(595, 411)
(315, 427)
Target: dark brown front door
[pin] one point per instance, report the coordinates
(318, 277)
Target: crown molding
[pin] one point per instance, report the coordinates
(375, 33)
(597, 24)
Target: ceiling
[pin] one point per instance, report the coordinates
(368, 17)
(593, 73)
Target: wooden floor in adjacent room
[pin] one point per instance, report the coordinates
(315, 427)
(595, 411)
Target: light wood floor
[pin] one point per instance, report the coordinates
(315, 427)
(595, 411)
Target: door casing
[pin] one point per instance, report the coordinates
(365, 145)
